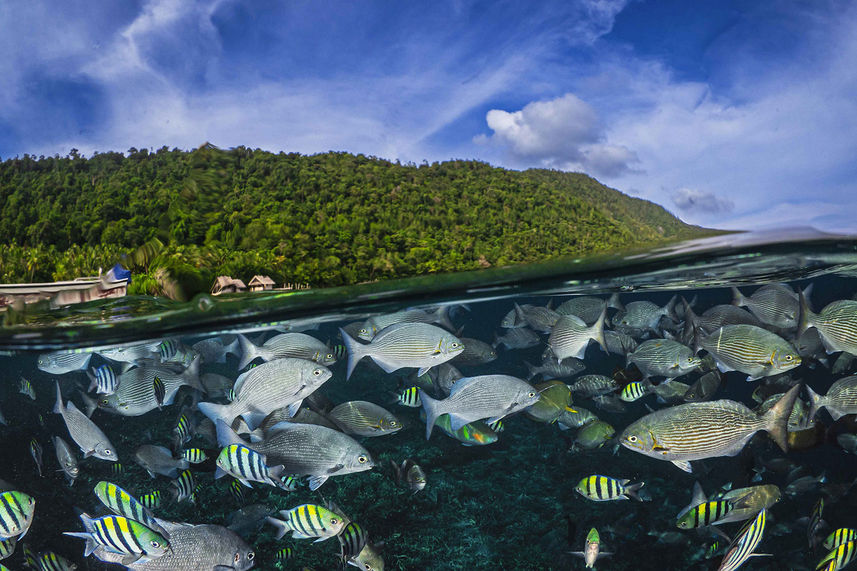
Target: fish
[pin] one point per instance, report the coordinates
(589, 386)
(16, 513)
(634, 391)
(287, 483)
(411, 474)
(604, 488)
(283, 554)
(410, 397)
(215, 349)
(804, 484)
(841, 398)
(159, 460)
(476, 398)
(815, 523)
(36, 453)
(364, 418)
(575, 418)
(744, 544)
(412, 345)
(103, 379)
(152, 500)
(592, 549)
(519, 338)
(246, 466)
(541, 319)
(593, 435)
(476, 352)
(570, 337)
(236, 490)
(7, 547)
(747, 502)
(160, 391)
(249, 519)
(705, 514)
(352, 539)
(121, 535)
(670, 391)
(280, 383)
(554, 399)
(716, 317)
(588, 308)
(641, 316)
(122, 503)
(135, 395)
(773, 304)
(368, 559)
(50, 561)
(375, 324)
(848, 442)
(91, 440)
(836, 324)
(61, 362)
(704, 388)
(182, 432)
(307, 521)
(195, 547)
(25, 387)
(497, 426)
(839, 557)
(117, 469)
(306, 450)
(297, 345)
(184, 487)
(619, 343)
(664, 358)
(550, 369)
(751, 350)
(216, 386)
(609, 403)
(839, 536)
(694, 431)
(471, 434)
(194, 455)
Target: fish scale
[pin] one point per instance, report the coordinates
(751, 350)
(135, 394)
(570, 336)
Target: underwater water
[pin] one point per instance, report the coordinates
(503, 499)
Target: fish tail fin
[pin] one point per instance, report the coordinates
(777, 418)
(249, 351)
(814, 403)
(614, 302)
(282, 527)
(669, 308)
(597, 330)
(191, 375)
(233, 348)
(738, 298)
(441, 316)
(93, 381)
(225, 435)
(631, 490)
(807, 317)
(431, 406)
(355, 352)
(58, 407)
(89, 404)
(216, 411)
(531, 370)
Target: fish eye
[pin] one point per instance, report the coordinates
(250, 556)
(108, 452)
(531, 394)
(362, 459)
(632, 438)
(394, 423)
(789, 357)
(105, 402)
(333, 521)
(329, 356)
(316, 372)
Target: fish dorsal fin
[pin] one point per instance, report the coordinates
(697, 497)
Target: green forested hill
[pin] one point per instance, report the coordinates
(325, 219)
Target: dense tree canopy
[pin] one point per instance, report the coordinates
(325, 219)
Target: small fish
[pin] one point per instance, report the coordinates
(471, 434)
(604, 488)
(246, 466)
(550, 369)
(50, 561)
(287, 483)
(25, 387)
(589, 386)
(122, 503)
(36, 453)
(841, 398)
(91, 440)
(774, 304)
(364, 418)
(713, 549)
(283, 554)
(16, 513)
(499, 426)
(62, 362)
(840, 536)
(520, 338)
(704, 388)
(411, 474)
(592, 550)
(589, 308)
(160, 391)
(593, 435)
(152, 500)
(664, 358)
(375, 324)
(307, 521)
(705, 514)
(7, 547)
(839, 557)
(634, 391)
(194, 455)
(570, 337)
(184, 487)
(237, 491)
(182, 432)
(804, 484)
(159, 460)
(576, 419)
(67, 459)
(410, 397)
(814, 523)
(296, 345)
(117, 469)
(122, 535)
(352, 539)
(475, 353)
(745, 542)
(103, 379)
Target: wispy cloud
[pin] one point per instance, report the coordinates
(701, 202)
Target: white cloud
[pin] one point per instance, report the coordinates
(701, 202)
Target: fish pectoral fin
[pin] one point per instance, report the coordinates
(335, 469)
(683, 464)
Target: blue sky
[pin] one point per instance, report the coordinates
(731, 114)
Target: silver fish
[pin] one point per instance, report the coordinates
(695, 431)
(417, 345)
(541, 319)
(131, 353)
(751, 350)
(135, 395)
(215, 349)
(841, 398)
(159, 460)
(836, 323)
(475, 352)
(570, 336)
(519, 338)
(774, 304)
(550, 369)
(642, 316)
(305, 450)
(194, 548)
(60, 362)
(714, 318)
(67, 459)
(589, 386)
(249, 519)
(579, 417)
(671, 391)
(664, 358)
(704, 388)
(588, 308)
(374, 325)
(84, 432)
(476, 398)
(297, 345)
(364, 419)
(270, 386)
(216, 385)
(619, 343)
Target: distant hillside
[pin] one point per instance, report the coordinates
(326, 219)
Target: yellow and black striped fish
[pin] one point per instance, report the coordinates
(633, 391)
(814, 523)
(745, 543)
(194, 455)
(237, 491)
(307, 521)
(16, 513)
(410, 397)
(840, 536)
(352, 540)
(246, 465)
(152, 500)
(50, 561)
(705, 514)
(182, 431)
(184, 487)
(122, 503)
(839, 557)
(604, 488)
(7, 547)
(160, 391)
(283, 554)
(122, 535)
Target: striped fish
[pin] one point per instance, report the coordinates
(283, 554)
(50, 561)
(16, 514)
(36, 453)
(62, 362)
(135, 395)
(841, 398)
(184, 487)
(25, 387)
(122, 503)
(774, 304)
(712, 550)
(117, 469)
(836, 324)
(375, 324)
(840, 536)
(497, 426)
(339, 351)
(286, 482)
(237, 491)
(410, 397)
(604, 488)
(152, 500)
(167, 349)
(307, 521)
(182, 431)
(814, 523)
(570, 336)
(705, 514)
(121, 535)
(634, 390)
(745, 543)
(246, 466)
(160, 391)
(750, 350)
(103, 379)
(364, 418)
(296, 345)
(839, 557)
(7, 547)
(352, 540)
(417, 345)
(230, 396)
(30, 559)
(664, 358)
(194, 455)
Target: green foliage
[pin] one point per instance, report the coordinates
(327, 219)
